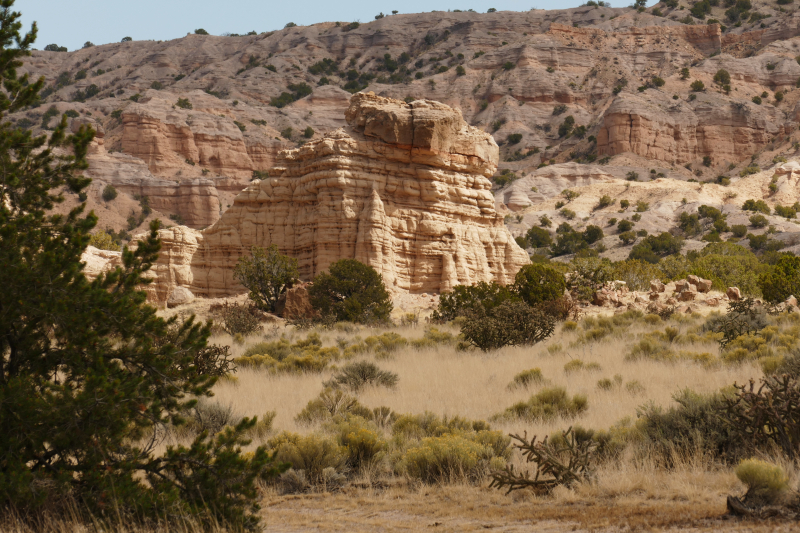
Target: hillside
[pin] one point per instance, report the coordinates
(187, 123)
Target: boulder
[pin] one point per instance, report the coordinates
(734, 294)
(702, 285)
(654, 296)
(681, 285)
(297, 303)
(671, 301)
(657, 286)
(180, 296)
(712, 302)
(688, 294)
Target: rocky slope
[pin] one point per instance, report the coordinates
(187, 123)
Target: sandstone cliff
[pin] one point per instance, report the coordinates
(404, 188)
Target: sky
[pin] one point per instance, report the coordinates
(71, 23)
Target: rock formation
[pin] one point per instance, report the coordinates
(403, 188)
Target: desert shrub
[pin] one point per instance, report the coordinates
(200, 31)
(537, 283)
(782, 280)
(654, 247)
(361, 441)
(545, 406)
(312, 454)
(698, 86)
(624, 225)
(604, 202)
(636, 274)
(758, 221)
(592, 234)
(514, 138)
(759, 206)
(298, 91)
(432, 338)
(109, 193)
(104, 241)
(239, 319)
(356, 376)
(351, 291)
(576, 365)
(588, 275)
(696, 423)
(765, 481)
(464, 298)
(512, 323)
(526, 378)
(566, 126)
(538, 237)
(739, 230)
(728, 265)
(329, 404)
(448, 458)
(266, 274)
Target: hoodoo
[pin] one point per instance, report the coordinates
(404, 188)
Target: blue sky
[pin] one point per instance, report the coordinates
(71, 23)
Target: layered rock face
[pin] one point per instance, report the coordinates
(658, 128)
(402, 188)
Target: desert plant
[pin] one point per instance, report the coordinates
(103, 241)
(781, 280)
(758, 221)
(698, 86)
(92, 355)
(536, 283)
(239, 319)
(313, 454)
(765, 481)
(109, 193)
(768, 414)
(464, 298)
(356, 376)
(722, 77)
(570, 457)
(604, 202)
(526, 378)
(512, 323)
(538, 237)
(352, 292)
(547, 405)
(266, 274)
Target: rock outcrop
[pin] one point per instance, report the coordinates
(403, 188)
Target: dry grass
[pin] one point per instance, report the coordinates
(629, 494)
(475, 385)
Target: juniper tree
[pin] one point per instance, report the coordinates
(89, 375)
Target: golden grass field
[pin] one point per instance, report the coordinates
(628, 494)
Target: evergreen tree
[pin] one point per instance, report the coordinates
(90, 377)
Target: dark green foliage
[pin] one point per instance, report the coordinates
(512, 323)
(109, 193)
(157, 85)
(698, 86)
(356, 376)
(538, 237)
(464, 298)
(299, 90)
(460, 70)
(653, 247)
(200, 31)
(722, 77)
(308, 132)
(537, 283)
(627, 237)
(592, 234)
(566, 127)
(514, 138)
(242, 127)
(325, 66)
(184, 103)
(785, 212)
(126, 39)
(588, 275)
(351, 291)
(781, 280)
(739, 230)
(568, 242)
(55, 48)
(604, 202)
(47, 115)
(758, 221)
(83, 95)
(624, 225)
(88, 371)
(696, 423)
(266, 274)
